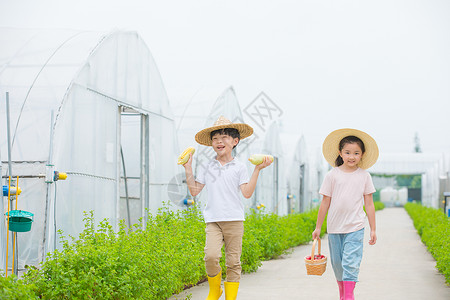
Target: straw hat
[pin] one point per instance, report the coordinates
(204, 136)
(330, 147)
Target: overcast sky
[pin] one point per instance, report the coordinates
(379, 66)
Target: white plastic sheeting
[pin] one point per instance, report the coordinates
(105, 91)
(201, 112)
(226, 105)
(298, 174)
(318, 171)
(271, 189)
(430, 185)
(431, 166)
(404, 163)
(191, 114)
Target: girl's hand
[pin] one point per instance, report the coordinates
(316, 234)
(267, 161)
(373, 238)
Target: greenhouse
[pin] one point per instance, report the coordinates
(318, 172)
(342, 165)
(90, 105)
(197, 114)
(433, 169)
(89, 128)
(296, 172)
(271, 189)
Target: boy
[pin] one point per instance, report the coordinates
(224, 212)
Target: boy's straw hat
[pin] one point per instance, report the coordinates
(330, 147)
(204, 136)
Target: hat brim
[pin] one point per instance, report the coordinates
(203, 137)
(330, 147)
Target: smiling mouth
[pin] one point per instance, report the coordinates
(220, 147)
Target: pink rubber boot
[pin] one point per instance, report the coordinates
(341, 289)
(349, 286)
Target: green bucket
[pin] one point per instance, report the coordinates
(20, 220)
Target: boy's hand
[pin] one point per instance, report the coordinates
(189, 162)
(267, 161)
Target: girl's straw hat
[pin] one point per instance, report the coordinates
(204, 136)
(330, 147)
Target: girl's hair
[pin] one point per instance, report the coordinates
(234, 133)
(351, 139)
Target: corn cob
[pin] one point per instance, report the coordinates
(258, 159)
(184, 157)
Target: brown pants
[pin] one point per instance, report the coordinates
(230, 232)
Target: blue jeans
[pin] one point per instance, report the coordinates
(346, 251)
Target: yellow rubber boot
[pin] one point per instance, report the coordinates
(215, 291)
(231, 290)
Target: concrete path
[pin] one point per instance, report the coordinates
(398, 267)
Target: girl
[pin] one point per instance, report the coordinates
(345, 189)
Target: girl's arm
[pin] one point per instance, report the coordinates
(247, 189)
(194, 187)
(324, 206)
(370, 211)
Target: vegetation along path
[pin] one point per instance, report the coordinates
(397, 267)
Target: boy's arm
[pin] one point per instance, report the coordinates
(324, 206)
(247, 189)
(370, 211)
(194, 187)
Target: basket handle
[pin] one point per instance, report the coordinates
(314, 247)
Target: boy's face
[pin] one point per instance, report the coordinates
(223, 143)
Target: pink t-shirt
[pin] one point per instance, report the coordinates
(347, 192)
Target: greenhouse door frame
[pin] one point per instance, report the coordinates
(301, 192)
(275, 185)
(144, 159)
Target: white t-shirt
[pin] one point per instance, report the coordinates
(347, 192)
(223, 187)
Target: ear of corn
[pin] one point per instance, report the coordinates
(258, 159)
(184, 157)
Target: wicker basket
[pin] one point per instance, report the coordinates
(315, 266)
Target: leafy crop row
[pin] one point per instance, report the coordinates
(149, 264)
(153, 263)
(434, 229)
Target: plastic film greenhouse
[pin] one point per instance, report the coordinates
(301, 176)
(271, 186)
(90, 105)
(201, 112)
(87, 129)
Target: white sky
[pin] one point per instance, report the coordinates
(379, 66)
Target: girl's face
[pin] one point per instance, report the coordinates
(223, 144)
(351, 155)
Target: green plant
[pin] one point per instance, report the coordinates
(156, 262)
(434, 229)
(142, 264)
(12, 288)
(378, 205)
(275, 234)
